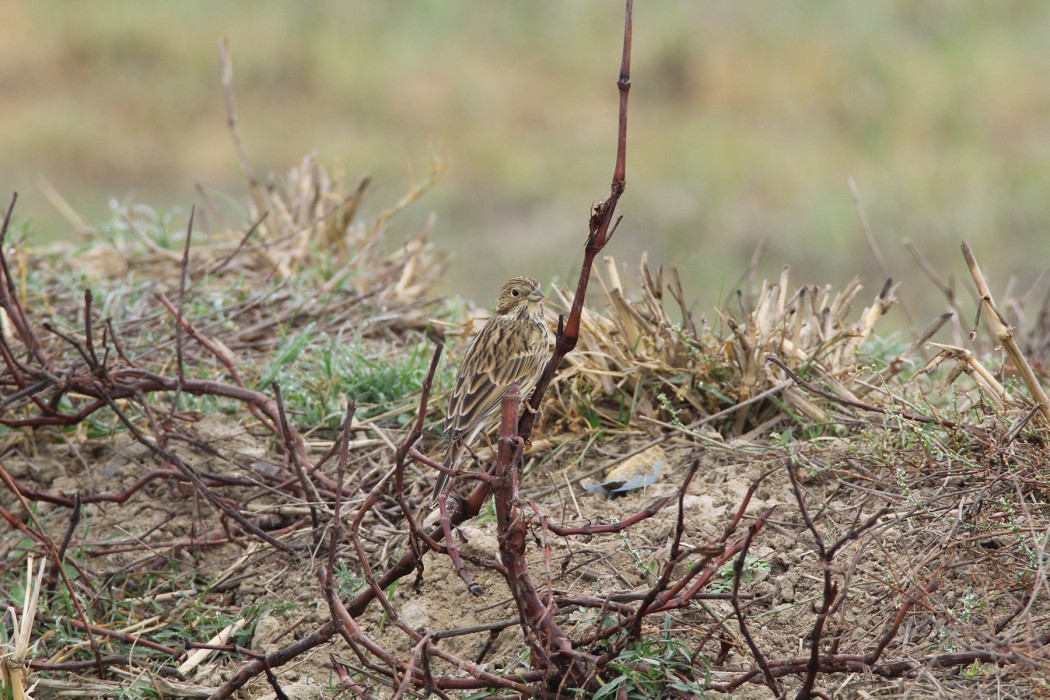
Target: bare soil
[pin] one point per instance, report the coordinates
(966, 531)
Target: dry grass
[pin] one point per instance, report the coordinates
(645, 355)
(661, 362)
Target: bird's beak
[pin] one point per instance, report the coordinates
(535, 295)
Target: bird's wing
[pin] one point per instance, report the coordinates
(498, 357)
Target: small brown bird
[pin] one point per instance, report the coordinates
(512, 347)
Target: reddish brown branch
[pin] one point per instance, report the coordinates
(96, 366)
(831, 587)
(537, 623)
(609, 528)
(856, 663)
(299, 467)
(180, 363)
(668, 570)
(738, 574)
(599, 234)
(221, 354)
(344, 454)
(417, 429)
(193, 477)
(9, 297)
(40, 535)
(895, 625)
(452, 551)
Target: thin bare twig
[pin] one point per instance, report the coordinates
(183, 271)
(600, 221)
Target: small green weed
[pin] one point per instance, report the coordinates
(132, 224)
(317, 372)
(646, 569)
(879, 350)
(651, 668)
(488, 513)
(352, 581)
(752, 567)
(665, 404)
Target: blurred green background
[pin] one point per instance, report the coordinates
(746, 120)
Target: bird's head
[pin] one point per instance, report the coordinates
(520, 296)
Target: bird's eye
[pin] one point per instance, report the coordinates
(515, 292)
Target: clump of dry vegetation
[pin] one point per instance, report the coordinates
(639, 355)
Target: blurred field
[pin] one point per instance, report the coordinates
(746, 120)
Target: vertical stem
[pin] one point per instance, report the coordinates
(1006, 336)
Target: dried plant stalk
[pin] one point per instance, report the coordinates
(14, 670)
(1006, 336)
(969, 364)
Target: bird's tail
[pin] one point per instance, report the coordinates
(442, 478)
